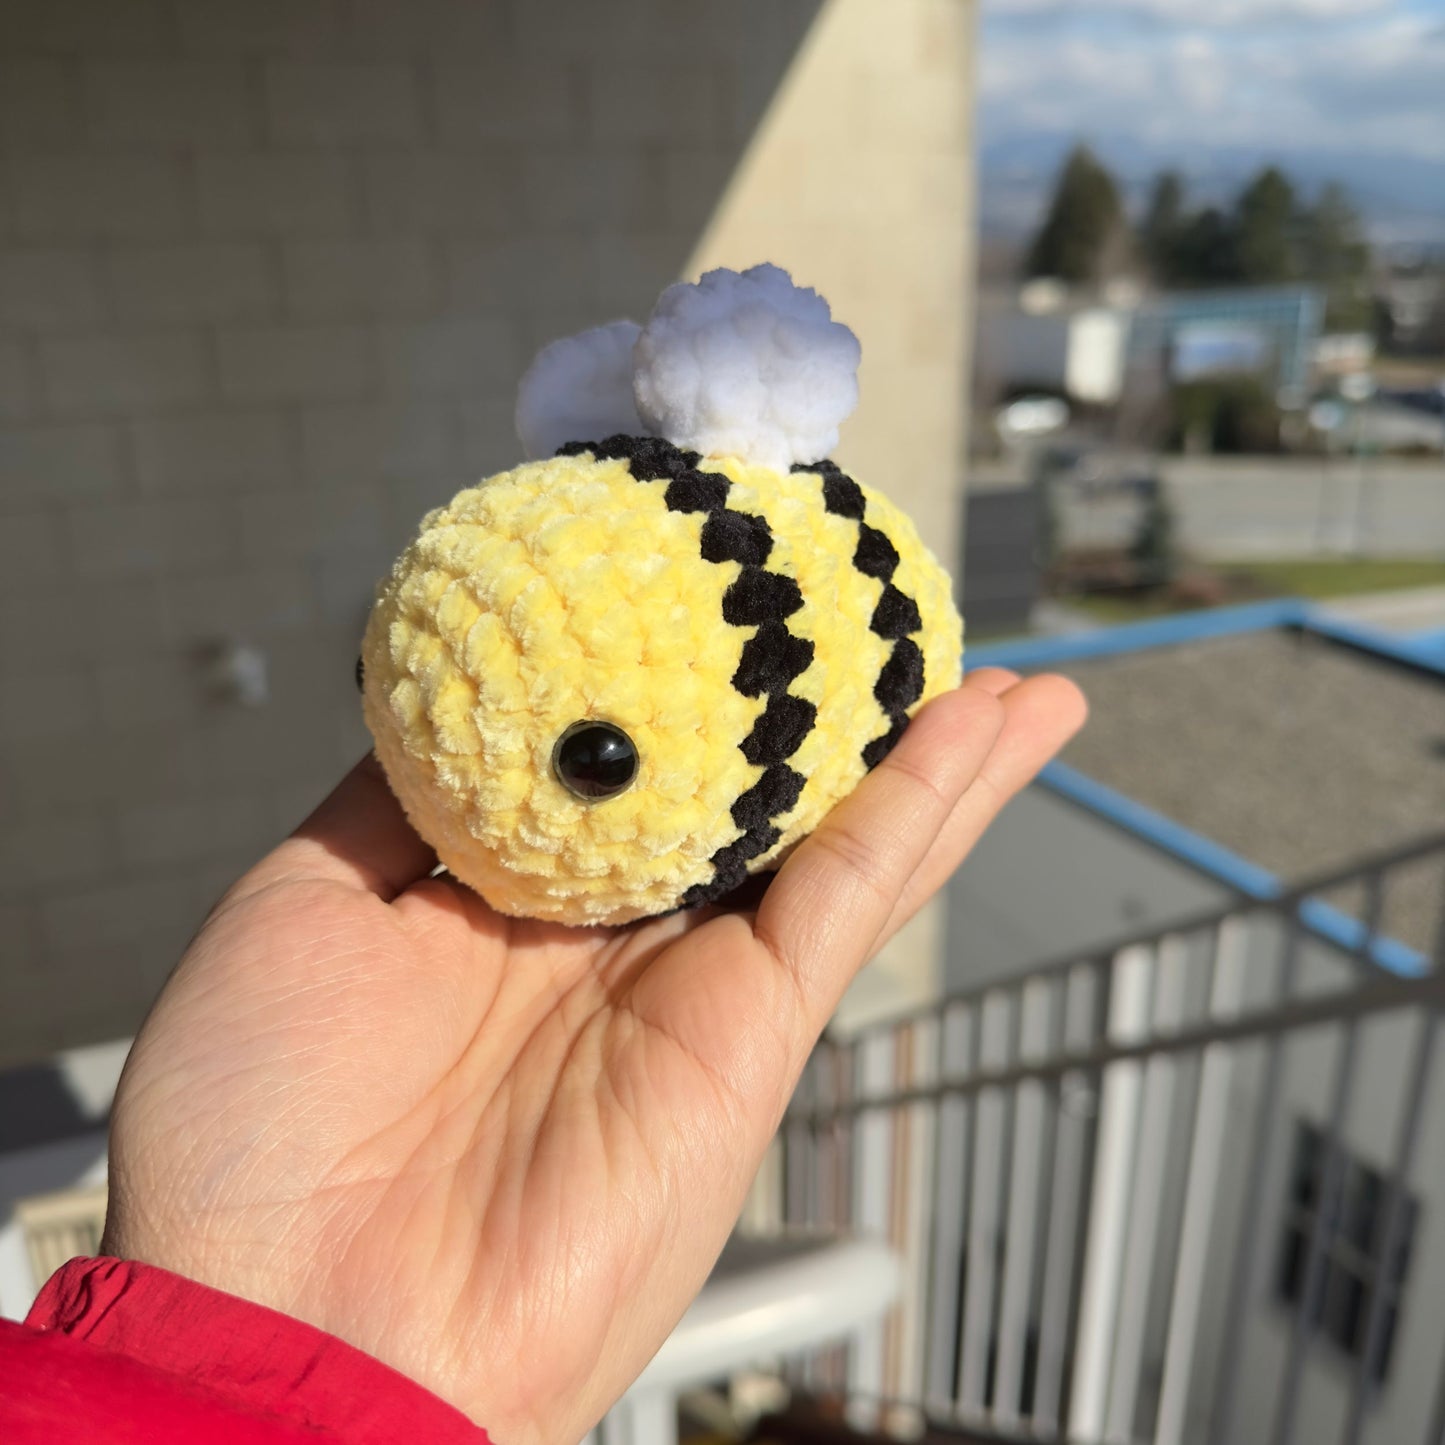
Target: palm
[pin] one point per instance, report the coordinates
(501, 1155)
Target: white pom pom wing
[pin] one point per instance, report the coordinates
(579, 389)
(748, 365)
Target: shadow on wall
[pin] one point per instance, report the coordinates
(269, 273)
(37, 1107)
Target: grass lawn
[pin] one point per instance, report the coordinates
(1253, 581)
(1341, 577)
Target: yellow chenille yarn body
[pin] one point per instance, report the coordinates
(581, 589)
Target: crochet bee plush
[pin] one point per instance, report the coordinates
(617, 680)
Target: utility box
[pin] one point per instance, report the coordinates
(1001, 561)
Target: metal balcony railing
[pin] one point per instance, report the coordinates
(1190, 1191)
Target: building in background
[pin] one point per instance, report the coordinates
(1173, 1188)
(1266, 331)
(269, 273)
(1230, 756)
(1044, 339)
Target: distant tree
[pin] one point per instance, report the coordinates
(1163, 226)
(1336, 256)
(1080, 238)
(1268, 236)
(1226, 414)
(1267, 230)
(1206, 252)
(1333, 238)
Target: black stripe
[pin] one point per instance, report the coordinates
(896, 615)
(875, 556)
(777, 734)
(900, 680)
(756, 597)
(735, 537)
(649, 459)
(841, 494)
(880, 747)
(771, 658)
(773, 794)
(695, 492)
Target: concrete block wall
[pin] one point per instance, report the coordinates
(269, 271)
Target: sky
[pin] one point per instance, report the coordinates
(1363, 77)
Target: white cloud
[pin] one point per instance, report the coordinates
(1372, 87)
(1220, 13)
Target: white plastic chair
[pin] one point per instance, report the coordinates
(765, 1297)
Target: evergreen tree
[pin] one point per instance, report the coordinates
(1267, 230)
(1336, 256)
(1268, 236)
(1163, 225)
(1333, 238)
(1085, 222)
(1206, 251)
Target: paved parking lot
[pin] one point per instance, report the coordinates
(1230, 509)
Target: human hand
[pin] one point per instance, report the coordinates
(502, 1155)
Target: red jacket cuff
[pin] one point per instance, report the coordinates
(206, 1349)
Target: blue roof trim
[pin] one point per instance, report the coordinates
(1183, 843)
(1174, 838)
(1219, 863)
(1419, 650)
(1349, 933)
(1028, 653)
(1213, 859)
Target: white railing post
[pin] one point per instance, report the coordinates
(1020, 1264)
(990, 1143)
(1150, 1166)
(1201, 1189)
(950, 1207)
(1109, 1203)
(1075, 1106)
(872, 1176)
(912, 1223)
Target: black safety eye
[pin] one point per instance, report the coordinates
(594, 760)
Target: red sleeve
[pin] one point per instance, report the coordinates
(115, 1353)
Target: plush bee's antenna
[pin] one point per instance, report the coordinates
(746, 365)
(579, 389)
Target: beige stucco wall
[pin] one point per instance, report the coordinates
(269, 271)
(860, 179)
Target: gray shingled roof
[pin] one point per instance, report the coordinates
(1296, 752)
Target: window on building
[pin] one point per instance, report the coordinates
(1355, 1270)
